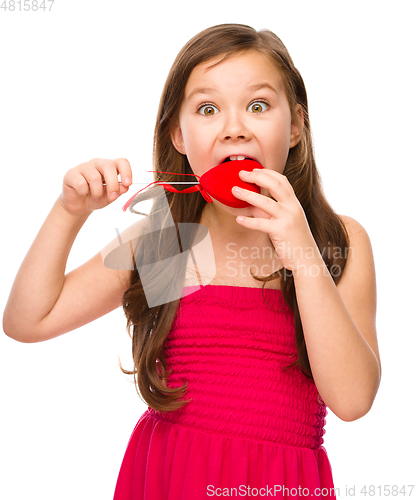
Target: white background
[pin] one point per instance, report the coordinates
(84, 81)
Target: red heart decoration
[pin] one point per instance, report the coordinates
(219, 180)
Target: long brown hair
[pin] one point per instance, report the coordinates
(152, 325)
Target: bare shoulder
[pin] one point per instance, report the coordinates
(357, 286)
(360, 253)
(118, 254)
(353, 226)
(360, 261)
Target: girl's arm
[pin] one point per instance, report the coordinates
(339, 324)
(339, 321)
(44, 302)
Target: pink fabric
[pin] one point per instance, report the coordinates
(250, 424)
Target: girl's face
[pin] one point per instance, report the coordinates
(237, 108)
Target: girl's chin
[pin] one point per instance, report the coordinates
(250, 211)
(233, 211)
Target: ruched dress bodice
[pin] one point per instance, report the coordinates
(251, 421)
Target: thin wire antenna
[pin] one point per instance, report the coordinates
(133, 183)
(195, 182)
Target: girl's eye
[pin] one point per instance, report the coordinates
(207, 109)
(259, 106)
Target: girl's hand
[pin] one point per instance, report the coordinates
(281, 216)
(83, 190)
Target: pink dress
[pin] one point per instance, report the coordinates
(251, 428)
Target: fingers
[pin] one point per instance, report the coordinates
(94, 179)
(124, 170)
(110, 169)
(273, 182)
(263, 203)
(95, 184)
(277, 184)
(75, 181)
(98, 172)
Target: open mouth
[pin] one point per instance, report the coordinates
(237, 158)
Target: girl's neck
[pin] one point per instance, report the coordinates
(218, 218)
(223, 223)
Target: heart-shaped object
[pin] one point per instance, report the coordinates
(219, 181)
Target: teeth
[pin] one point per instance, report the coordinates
(233, 158)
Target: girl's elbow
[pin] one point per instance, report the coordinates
(9, 330)
(354, 412)
(18, 337)
(352, 416)
(354, 407)
(23, 335)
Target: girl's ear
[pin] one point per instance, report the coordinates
(296, 130)
(177, 139)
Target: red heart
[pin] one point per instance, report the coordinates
(219, 180)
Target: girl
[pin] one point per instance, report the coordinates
(237, 374)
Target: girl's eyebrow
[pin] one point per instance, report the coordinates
(214, 90)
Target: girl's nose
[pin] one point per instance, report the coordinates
(235, 127)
